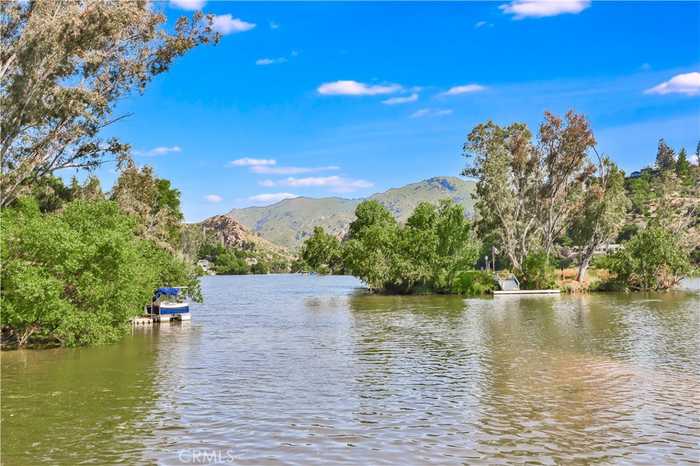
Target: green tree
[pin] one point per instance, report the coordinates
(77, 275)
(652, 260)
(63, 67)
(601, 213)
(322, 252)
(682, 164)
(537, 272)
(367, 214)
(524, 191)
(229, 263)
(369, 252)
(152, 201)
(566, 168)
(429, 253)
(665, 156)
(506, 166)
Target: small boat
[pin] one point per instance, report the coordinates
(169, 303)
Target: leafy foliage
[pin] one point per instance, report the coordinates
(426, 254)
(537, 272)
(600, 214)
(152, 201)
(525, 189)
(651, 260)
(322, 252)
(79, 274)
(474, 283)
(63, 67)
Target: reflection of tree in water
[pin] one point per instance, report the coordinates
(560, 384)
(68, 406)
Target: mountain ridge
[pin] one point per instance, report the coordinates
(288, 222)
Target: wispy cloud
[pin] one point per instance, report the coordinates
(269, 167)
(464, 89)
(188, 4)
(272, 170)
(213, 198)
(227, 24)
(431, 112)
(270, 198)
(267, 183)
(274, 25)
(160, 150)
(335, 183)
(270, 61)
(687, 83)
(521, 9)
(401, 100)
(248, 162)
(350, 87)
(482, 24)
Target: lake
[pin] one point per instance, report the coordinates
(290, 369)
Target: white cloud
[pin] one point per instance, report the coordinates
(687, 83)
(227, 24)
(270, 198)
(267, 183)
(335, 183)
(481, 24)
(464, 89)
(213, 198)
(401, 100)
(694, 159)
(270, 170)
(274, 25)
(249, 162)
(160, 150)
(521, 9)
(270, 61)
(188, 4)
(350, 87)
(431, 112)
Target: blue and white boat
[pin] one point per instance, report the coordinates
(169, 303)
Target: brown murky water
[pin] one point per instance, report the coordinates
(309, 370)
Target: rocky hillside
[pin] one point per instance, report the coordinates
(289, 222)
(227, 231)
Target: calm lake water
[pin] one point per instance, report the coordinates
(310, 370)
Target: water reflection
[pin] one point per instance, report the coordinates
(312, 370)
(67, 406)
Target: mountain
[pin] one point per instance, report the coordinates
(229, 232)
(289, 222)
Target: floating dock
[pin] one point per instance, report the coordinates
(516, 292)
(142, 321)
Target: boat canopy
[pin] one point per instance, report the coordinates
(166, 291)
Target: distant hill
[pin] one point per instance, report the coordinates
(289, 222)
(227, 231)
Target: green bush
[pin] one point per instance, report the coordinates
(77, 276)
(651, 260)
(474, 283)
(538, 272)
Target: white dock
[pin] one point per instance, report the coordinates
(528, 292)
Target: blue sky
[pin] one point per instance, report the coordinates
(348, 99)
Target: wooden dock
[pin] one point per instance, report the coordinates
(525, 292)
(142, 321)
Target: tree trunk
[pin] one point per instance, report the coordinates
(583, 267)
